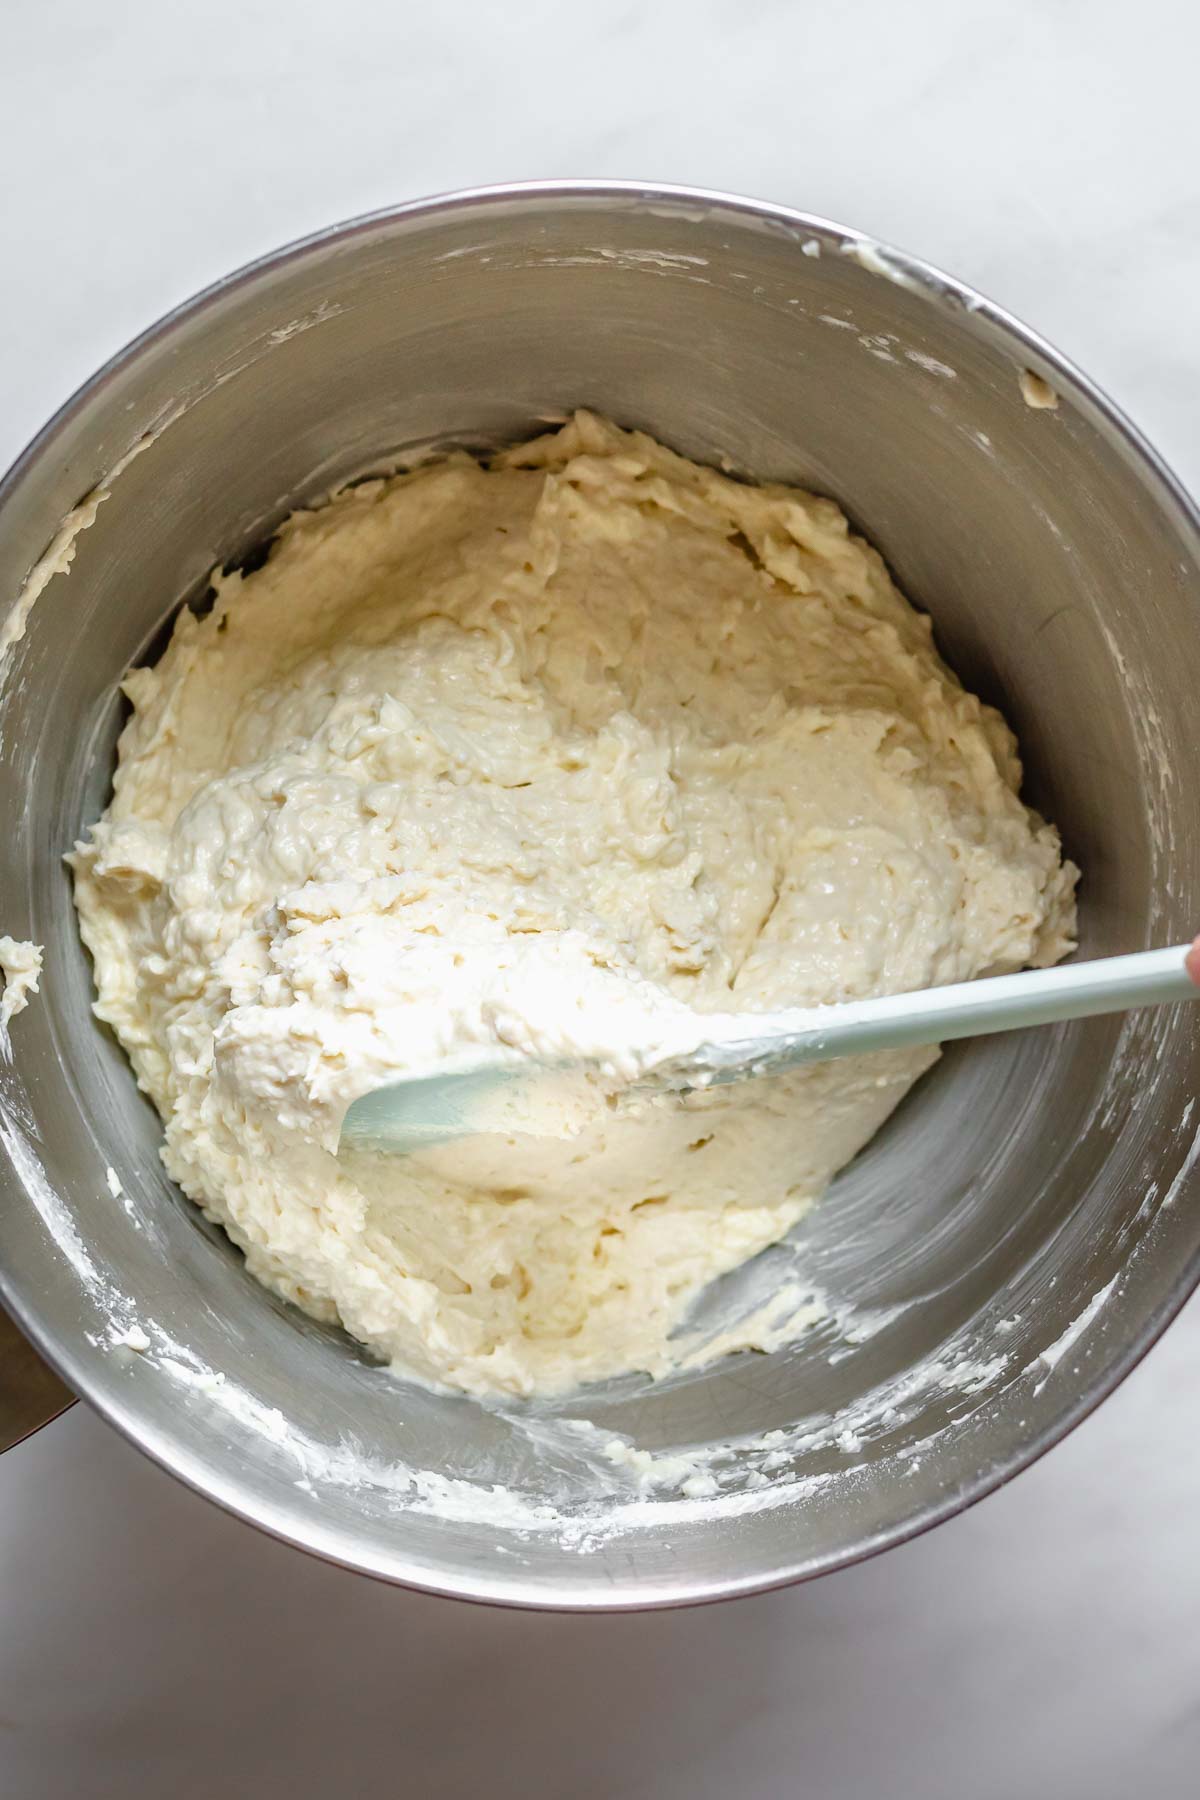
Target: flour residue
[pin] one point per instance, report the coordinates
(878, 261)
(59, 554)
(1054, 1353)
(932, 365)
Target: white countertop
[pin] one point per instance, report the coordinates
(1046, 1643)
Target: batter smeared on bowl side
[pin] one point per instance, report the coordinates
(528, 755)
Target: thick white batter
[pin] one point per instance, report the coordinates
(535, 756)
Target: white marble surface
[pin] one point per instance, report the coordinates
(1047, 1643)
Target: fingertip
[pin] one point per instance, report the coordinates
(1191, 962)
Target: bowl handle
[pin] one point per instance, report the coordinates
(31, 1394)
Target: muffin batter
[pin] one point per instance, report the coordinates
(533, 758)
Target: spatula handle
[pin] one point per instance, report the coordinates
(966, 1009)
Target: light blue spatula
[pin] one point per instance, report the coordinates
(413, 1114)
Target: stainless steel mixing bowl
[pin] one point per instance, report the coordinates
(1011, 1244)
